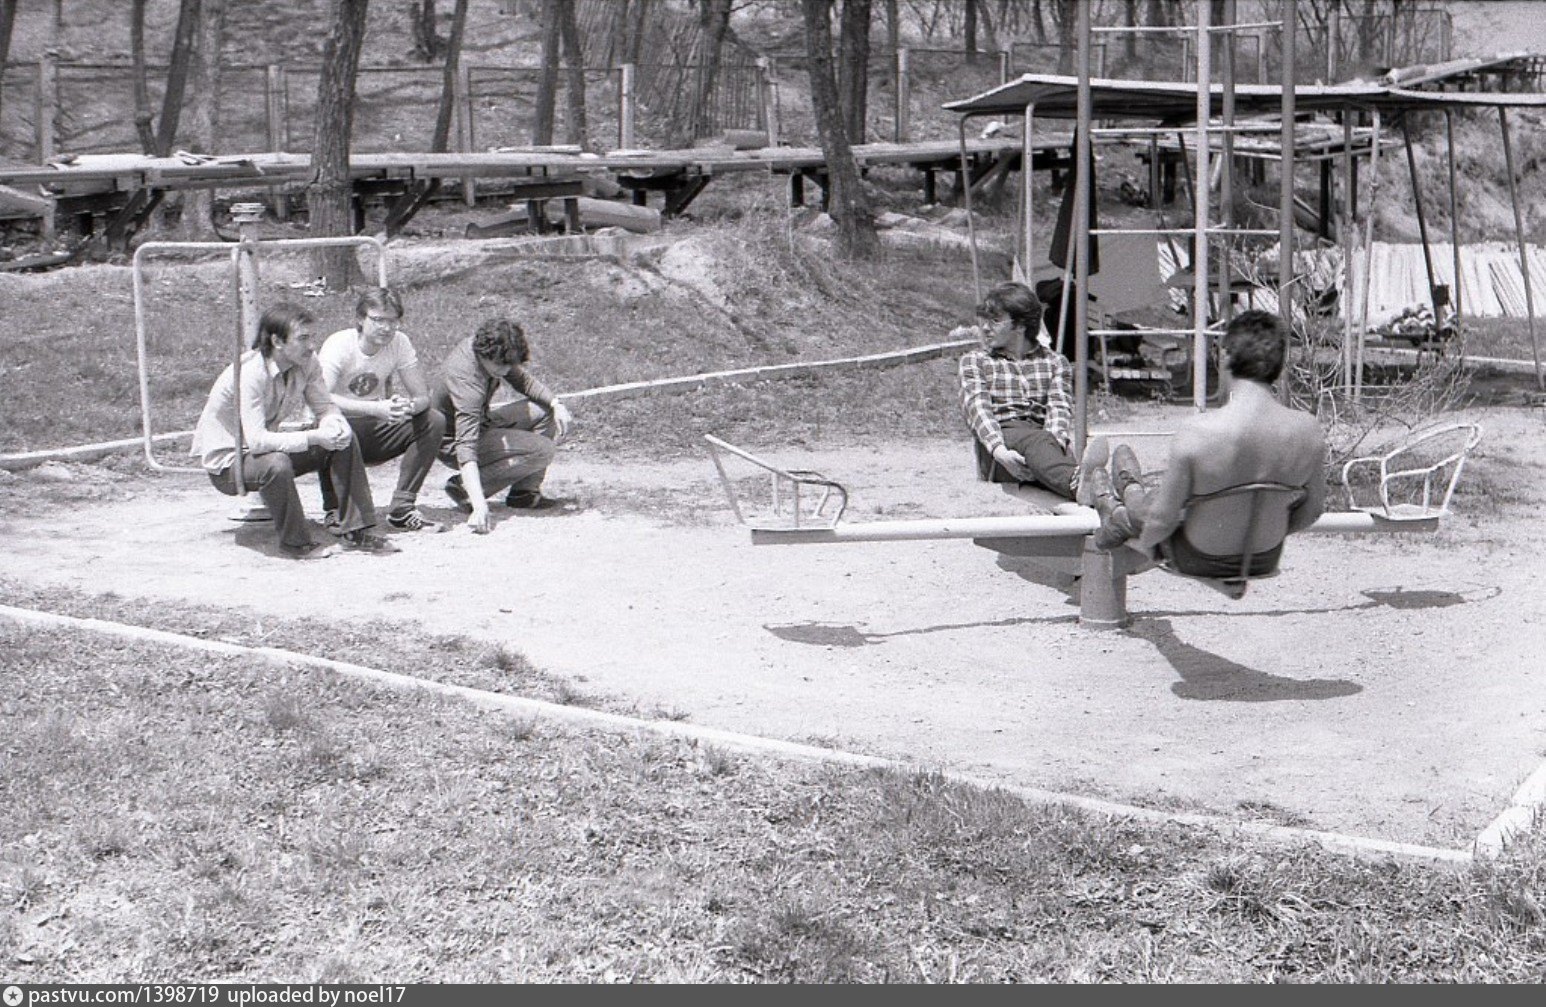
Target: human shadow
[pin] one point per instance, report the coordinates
(1209, 676)
(829, 634)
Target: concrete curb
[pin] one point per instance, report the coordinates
(1358, 846)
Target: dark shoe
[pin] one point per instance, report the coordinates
(365, 540)
(311, 550)
(1116, 527)
(412, 520)
(1096, 451)
(458, 494)
(1125, 470)
(1095, 491)
(534, 501)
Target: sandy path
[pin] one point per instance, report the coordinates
(1382, 687)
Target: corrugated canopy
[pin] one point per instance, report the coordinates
(1056, 97)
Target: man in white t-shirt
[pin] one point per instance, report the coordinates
(373, 374)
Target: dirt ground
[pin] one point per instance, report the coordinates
(1386, 686)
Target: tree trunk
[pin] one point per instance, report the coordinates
(144, 120)
(853, 77)
(856, 238)
(971, 31)
(177, 77)
(204, 117)
(1130, 19)
(547, 81)
(574, 60)
(713, 24)
(1067, 17)
(634, 43)
(329, 197)
(7, 19)
(441, 140)
(427, 45)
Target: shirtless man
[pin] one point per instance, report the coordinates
(1252, 438)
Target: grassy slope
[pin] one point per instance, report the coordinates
(177, 816)
(70, 373)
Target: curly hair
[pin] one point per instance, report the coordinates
(501, 341)
(1254, 342)
(278, 324)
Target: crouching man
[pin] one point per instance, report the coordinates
(277, 376)
(494, 447)
(373, 375)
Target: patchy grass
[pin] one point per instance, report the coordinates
(735, 294)
(173, 815)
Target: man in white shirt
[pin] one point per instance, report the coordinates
(239, 440)
(373, 374)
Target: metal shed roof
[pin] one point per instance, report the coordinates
(1176, 101)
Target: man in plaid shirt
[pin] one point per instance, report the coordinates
(1016, 395)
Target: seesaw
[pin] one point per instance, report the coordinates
(1404, 490)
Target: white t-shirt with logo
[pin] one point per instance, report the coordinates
(348, 371)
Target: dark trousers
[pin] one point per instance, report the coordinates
(417, 439)
(273, 475)
(1051, 464)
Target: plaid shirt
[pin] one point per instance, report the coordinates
(1036, 389)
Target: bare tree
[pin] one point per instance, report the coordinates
(329, 197)
(713, 26)
(971, 31)
(846, 201)
(440, 140)
(427, 43)
(177, 76)
(7, 20)
(547, 80)
(574, 61)
(853, 67)
(204, 114)
(144, 119)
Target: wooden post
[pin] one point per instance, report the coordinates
(903, 97)
(277, 128)
(1003, 66)
(48, 105)
(767, 95)
(1454, 224)
(461, 101)
(1333, 42)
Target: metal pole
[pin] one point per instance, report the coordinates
(1227, 160)
(625, 107)
(1519, 235)
(1079, 230)
(966, 198)
(278, 133)
(1368, 255)
(1027, 155)
(462, 101)
(1454, 225)
(1422, 219)
(1200, 194)
(1349, 237)
(1286, 193)
(903, 96)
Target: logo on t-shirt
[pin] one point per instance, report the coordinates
(363, 385)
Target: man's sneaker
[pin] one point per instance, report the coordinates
(1125, 470)
(311, 550)
(331, 522)
(1096, 451)
(534, 501)
(365, 540)
(458, 494)
(412, 520)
